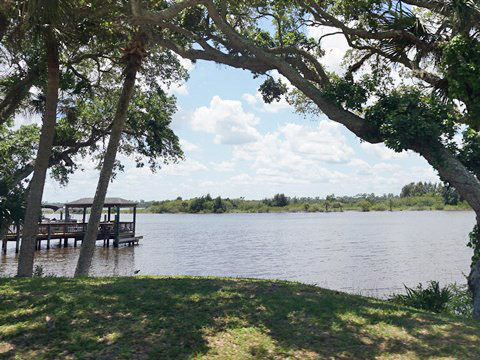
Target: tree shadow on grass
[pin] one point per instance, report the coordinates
(181, 318)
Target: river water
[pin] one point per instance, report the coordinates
(369, 253)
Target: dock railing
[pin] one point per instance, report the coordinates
(72, 229)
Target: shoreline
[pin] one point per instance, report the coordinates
(144, 211)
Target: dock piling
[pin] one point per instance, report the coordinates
(17, 239)
(49, 236)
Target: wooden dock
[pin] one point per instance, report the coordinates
(117, 232)
(109, 232)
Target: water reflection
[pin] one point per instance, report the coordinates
(371, 253)
(62, 261)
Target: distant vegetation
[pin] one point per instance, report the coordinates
(414, 196)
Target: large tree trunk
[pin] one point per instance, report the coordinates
(133, 57)
(35, 194)
(474, 278)
(456, 174)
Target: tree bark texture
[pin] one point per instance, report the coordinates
(3, 23)
(35, 194)
(474, 279)
(133, 57)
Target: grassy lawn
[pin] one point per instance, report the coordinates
(212, 318)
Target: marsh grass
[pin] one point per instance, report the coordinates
(214, 318)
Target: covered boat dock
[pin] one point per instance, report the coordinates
(110, 229)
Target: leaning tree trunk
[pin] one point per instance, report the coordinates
(133, 57)
(456, 174)
(35, 193)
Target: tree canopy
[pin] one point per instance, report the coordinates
(91, 35)
(426, 41)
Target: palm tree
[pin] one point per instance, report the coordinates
(42, 15)
(133, 57)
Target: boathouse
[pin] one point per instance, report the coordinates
(110, 228)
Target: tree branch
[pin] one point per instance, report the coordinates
(211, 54)
(143, 17)
(325, 18)
(17, 94)
(350, 120)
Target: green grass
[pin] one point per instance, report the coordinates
(212, 318)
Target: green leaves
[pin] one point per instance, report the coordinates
(345, 92)
(148, 135)
(469, 153)
(460, 65)
(16, 151)
(17, 148)
(272, 90)
(406, 118)
(431, 298)
(474, 244)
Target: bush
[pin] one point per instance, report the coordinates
(461, 302)
(432, 298)
(379, 207)
(364, 205)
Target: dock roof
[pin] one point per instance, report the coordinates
(109, 202)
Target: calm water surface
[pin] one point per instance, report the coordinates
(370, 253)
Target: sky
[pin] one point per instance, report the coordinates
(238, 146)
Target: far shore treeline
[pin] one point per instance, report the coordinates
(413, 196)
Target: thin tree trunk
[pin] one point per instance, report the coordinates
(35, 194)
(133, 57)
(3, 235)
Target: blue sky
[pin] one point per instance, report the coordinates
(236, 145)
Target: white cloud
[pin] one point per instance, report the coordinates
(224, 166)
(227, 120)
(335, 46)
(294, 154)
(184, 168)
(363, 168)
(382, 152)
(242, 179)
(324, 143)
(25, 119)
(180, 89)
(277, 76)
(382, 177)
(260, 105)
(250, 99)
(186, 63)
(188, 146)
